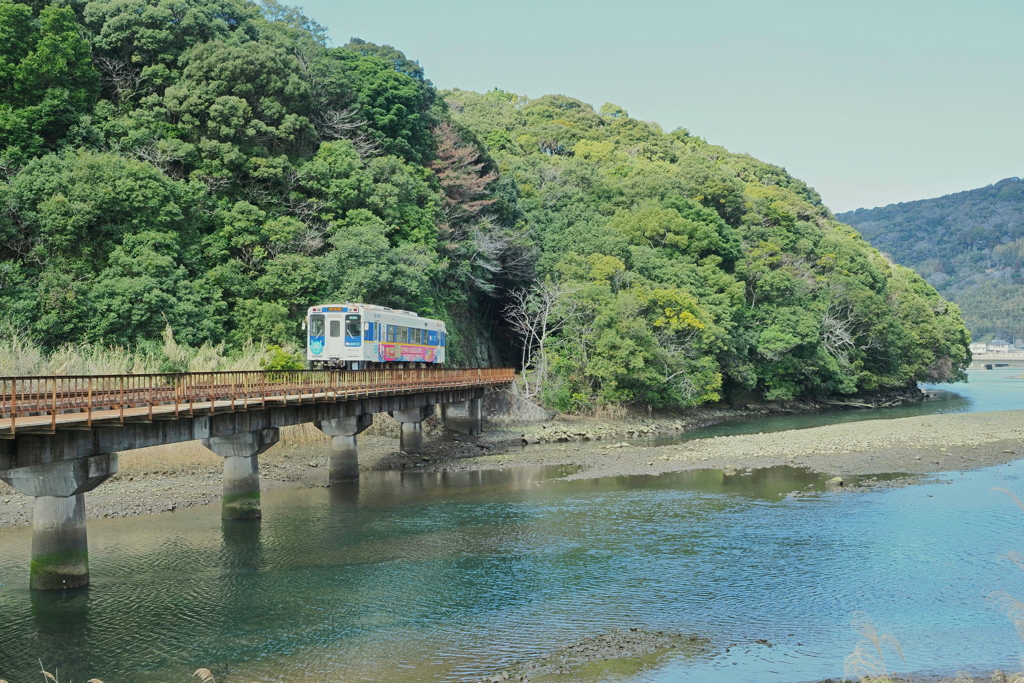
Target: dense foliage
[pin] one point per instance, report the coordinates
(969, 245)
(686, 270)
(213, 166)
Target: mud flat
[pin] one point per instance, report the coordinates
(924, 444)
(186, 475)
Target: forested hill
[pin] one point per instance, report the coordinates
(214, 167)
(969, 245)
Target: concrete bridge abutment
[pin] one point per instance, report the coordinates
(344, 464)
(464, 417)
(241, 498)
(412, 427)
(60, 544)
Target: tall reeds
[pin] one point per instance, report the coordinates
(22, 356)
(867, 661)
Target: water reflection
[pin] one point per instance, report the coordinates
(243, 549)
(409, 576)
(345, 497)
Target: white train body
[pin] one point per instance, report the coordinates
(359, 336)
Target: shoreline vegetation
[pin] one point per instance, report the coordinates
(22, 356)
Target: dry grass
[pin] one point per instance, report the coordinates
(867, 662)
(170, 458)
(20, 357)
(52, 677)
(204, 675)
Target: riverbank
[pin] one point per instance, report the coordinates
(169, 478)
(914, 445)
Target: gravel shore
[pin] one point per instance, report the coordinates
(916, 445)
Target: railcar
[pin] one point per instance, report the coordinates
(362, 336)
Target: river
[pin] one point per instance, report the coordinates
(446, 577)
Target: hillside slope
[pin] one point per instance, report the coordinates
(969, 245)
(690, 272)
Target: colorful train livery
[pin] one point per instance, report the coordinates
(361, 336)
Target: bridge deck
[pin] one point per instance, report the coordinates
(47, 404)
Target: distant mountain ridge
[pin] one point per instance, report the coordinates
(968, 245)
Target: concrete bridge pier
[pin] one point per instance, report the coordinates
(344, 450)
(60, 544)
(412, 427)
(464, 417)
(241, 499)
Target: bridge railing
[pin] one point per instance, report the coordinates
(55, 395)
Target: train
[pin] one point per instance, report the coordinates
(354, 336)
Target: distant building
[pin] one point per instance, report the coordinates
(978, 347)
(999, 346)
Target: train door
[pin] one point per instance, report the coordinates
(369, 338)
(335, 347)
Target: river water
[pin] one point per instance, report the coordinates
(446, 577)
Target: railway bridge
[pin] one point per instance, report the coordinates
(60, 435)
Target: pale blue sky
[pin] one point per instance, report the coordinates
(870, 102)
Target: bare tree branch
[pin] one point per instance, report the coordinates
(536, 314)
(346, 124)
(124, 80)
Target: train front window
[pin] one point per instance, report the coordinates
(335, 328)
(316, 326)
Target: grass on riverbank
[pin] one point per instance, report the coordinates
(21, 356)
(867, 661)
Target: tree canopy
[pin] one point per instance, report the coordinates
(690, 273)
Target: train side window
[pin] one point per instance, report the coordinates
(416, 337)
(403, 334)
(335, 328)
(391, 333)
